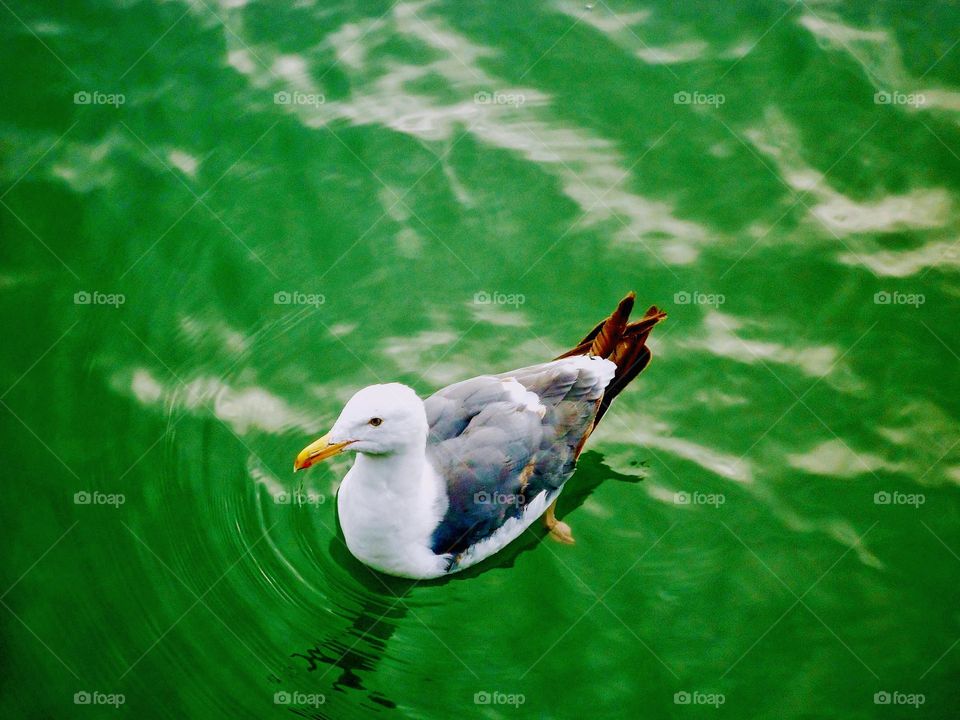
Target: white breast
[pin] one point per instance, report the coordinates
(388, 521)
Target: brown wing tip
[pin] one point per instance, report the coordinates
(654, 311)
(603, 339)
(653, 316)
(611, 330)
(626, 305)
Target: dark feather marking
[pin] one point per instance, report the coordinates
(497, 455)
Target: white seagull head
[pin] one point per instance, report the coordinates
(377, 420)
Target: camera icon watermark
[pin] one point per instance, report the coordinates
(84, 297)
(96, 97)
(695, 97)
(499, 298)
(699, 498)
(494, 498)
(299, 98)
(899, 698)
(495, 697)
(496, 97)
(298, 298)
(298, 497)
(898, 498)
(696, 297)
(95, 697)
(695, 697)
(894, 97)
(85, 497)
(295, 697)
(896, 297)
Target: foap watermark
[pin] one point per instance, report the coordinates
(696, 697)
(85, 497)
(299, 98)
(494, 498)
(896, 297)
(295, 697)
(896, 697)
(498, 698)
(95, 697)
(894, 97)
(699, 498)
(97, 97)
(695, 97)
(898, 498)
(699, 298)
(499, 298)
(84, 297)
(298, 497)
(298, 298)
(499, 98)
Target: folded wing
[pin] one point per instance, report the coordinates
(500, 441)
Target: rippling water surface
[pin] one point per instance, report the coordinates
(221, 218)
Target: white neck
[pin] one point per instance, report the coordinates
(392, 472)
(389, 506)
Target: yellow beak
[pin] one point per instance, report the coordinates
(318, 450)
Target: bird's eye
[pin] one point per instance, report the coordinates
(375, 421)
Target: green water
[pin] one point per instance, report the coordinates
(732, 162)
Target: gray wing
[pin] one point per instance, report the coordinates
(499, 441)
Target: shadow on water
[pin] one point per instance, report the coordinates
(343, 657)
(372, 604)
(380, 607)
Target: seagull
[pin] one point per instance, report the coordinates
(440, 484)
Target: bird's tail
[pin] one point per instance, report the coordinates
(622, 342)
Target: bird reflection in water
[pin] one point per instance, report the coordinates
(339, 662)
